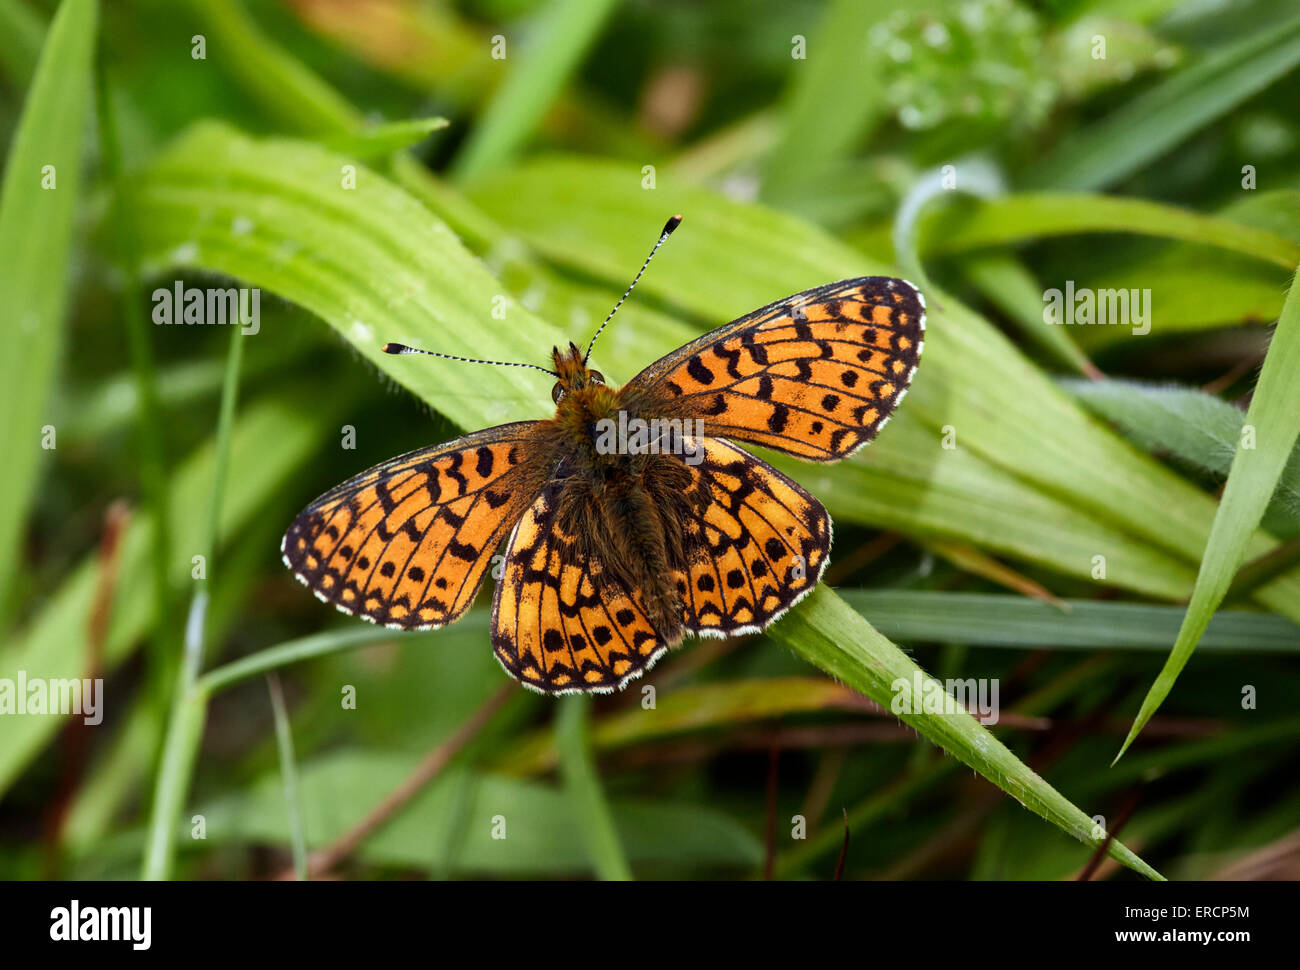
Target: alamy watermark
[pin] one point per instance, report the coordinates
(925, 695)
(210, 306)
(53, 695)
(1083, 306)
(654, 436)
(99, 924)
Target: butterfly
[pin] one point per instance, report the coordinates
(633, 516)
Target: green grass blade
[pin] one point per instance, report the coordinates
(1193, 426)
(537, 70)
(296, 651)
(834, 98)
(289, 772)
(582, 785)
(829, 634)
(1027, 216)
(38, 202)
(185, 724)
(371, 261)
(1002, 620)
(377, 141)
(1158, 120)
(1006, 283)
(978, 177)
(281, 83)
(1274, 416)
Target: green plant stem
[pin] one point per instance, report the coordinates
(291, 652)
(189, 707)
(148, 412)
(572, 740)
(289, 772)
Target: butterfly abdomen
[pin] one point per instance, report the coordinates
(616, 501)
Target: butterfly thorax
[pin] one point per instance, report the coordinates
(627, 509)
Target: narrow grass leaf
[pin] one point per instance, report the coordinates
(378, 141)
(289, 775)
(1027, 216)
(1016, 622)
(536, 74)
(582, 786)
(834, 100)
(1157, 121)
(1274, 422)
(38, 202)
(829, 634)
(1195, 427)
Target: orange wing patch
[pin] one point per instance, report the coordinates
(560, 622)
(407, 543)
(759, 547)
(815, 375)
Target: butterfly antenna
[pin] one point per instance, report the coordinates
(391, 348)
(669, 226)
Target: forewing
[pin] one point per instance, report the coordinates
(815, 375)
(760, 544)
(406, 544)
(560, 621)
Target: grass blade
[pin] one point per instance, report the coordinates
(1006, 283)
(829, 634)
(834, 100)
(1155, 122)
(536, 74)
(289, 772)
(1274, 416)
(371, 261)
(38, 202)
(1002, 620)
(1037, 215)
(582, 785)
(186, 720)
(1193, 426)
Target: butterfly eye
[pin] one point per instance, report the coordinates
(596, 377)
(557, 392)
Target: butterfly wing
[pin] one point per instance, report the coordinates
(759, 546)
(406, 543)
(755, 543)
(815, 375)
(561, 622)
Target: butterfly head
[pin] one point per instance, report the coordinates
(572, 371)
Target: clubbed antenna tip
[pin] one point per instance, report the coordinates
(669, 226)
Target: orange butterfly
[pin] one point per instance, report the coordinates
(630, 518)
